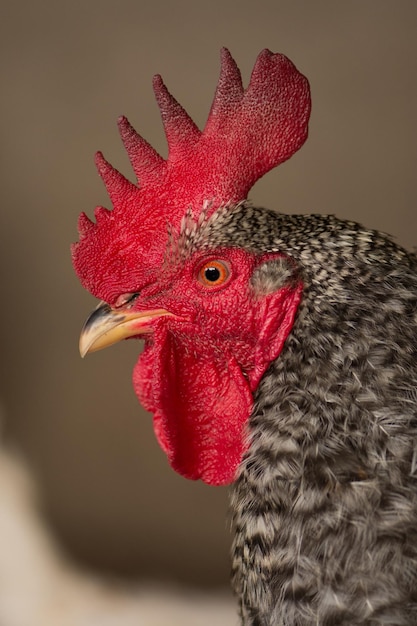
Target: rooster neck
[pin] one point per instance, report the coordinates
(325, 502)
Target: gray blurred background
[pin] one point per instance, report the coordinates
(68, 70)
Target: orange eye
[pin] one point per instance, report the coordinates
(214, 273)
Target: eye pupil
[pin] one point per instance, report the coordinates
(212, 274)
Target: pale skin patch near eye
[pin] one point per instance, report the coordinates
(272, 274)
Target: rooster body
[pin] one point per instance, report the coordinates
(280, 356)
(325, 502)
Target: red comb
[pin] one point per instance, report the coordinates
(247, 133)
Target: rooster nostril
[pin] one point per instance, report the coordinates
(125, 299)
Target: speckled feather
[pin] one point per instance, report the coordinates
(324, 508)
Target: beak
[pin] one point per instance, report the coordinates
(107, 326)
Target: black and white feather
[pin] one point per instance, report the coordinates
(324, 509)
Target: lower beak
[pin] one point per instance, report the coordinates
(107, 326)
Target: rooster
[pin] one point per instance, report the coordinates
(280, 354)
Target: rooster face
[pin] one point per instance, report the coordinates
(212, 322)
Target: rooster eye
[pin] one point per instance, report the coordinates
(214, 273)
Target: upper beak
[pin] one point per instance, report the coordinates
(107, 326)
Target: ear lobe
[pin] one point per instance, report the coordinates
(277, 289)
(272, 272)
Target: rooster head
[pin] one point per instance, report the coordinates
(213, 315)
